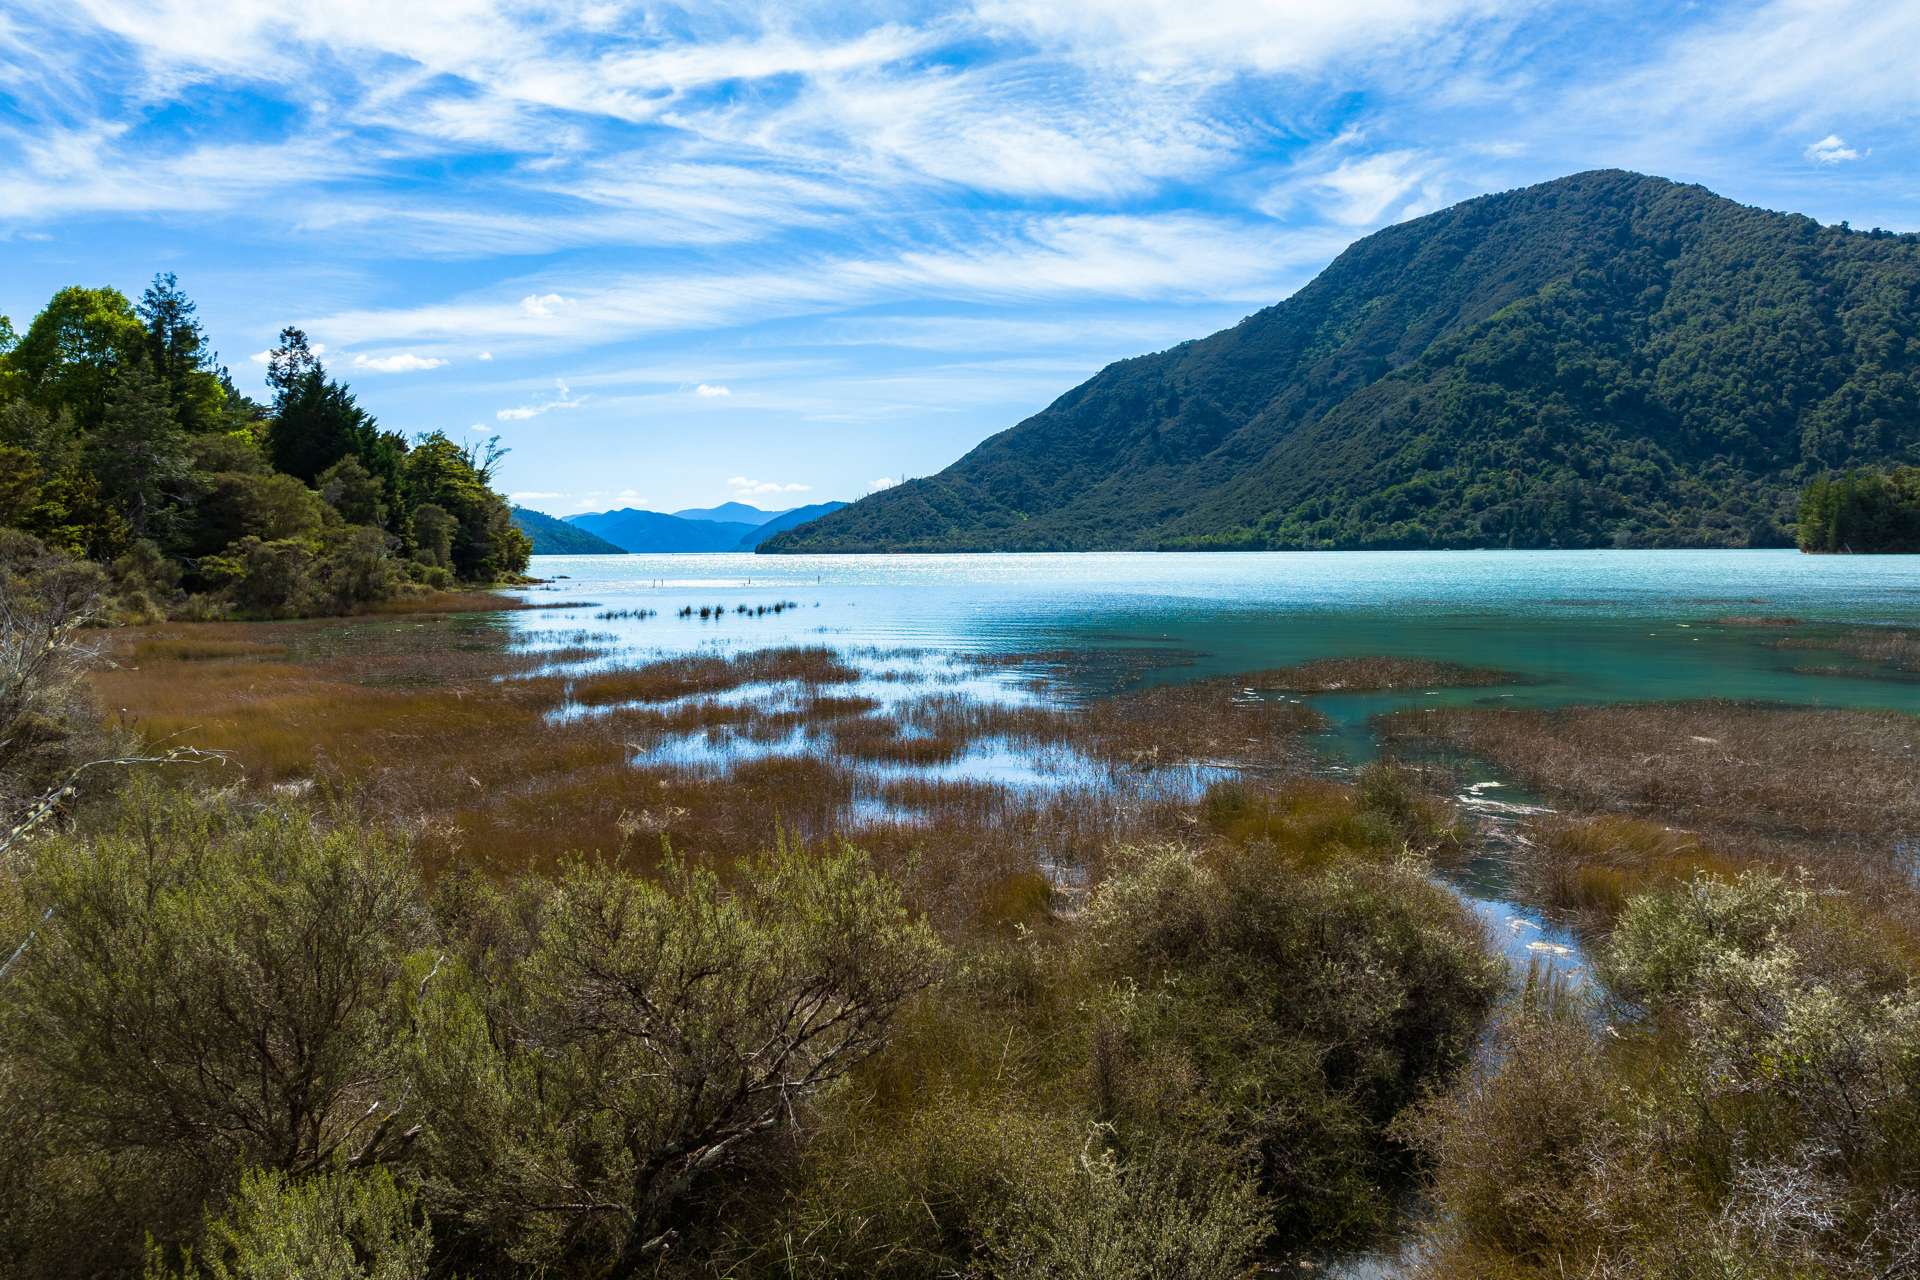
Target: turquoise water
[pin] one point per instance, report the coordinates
(1580, 625)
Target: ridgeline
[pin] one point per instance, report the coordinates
(1608, 359)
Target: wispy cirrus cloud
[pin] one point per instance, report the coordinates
(565, 399)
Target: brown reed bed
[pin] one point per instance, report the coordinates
(443, 725)
(1377, 674)
(1834, 791)
(1894, 648)
(704, 673)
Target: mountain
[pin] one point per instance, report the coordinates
(1606, 359)
(730, 513)
(632, 530)
(788, 520)
(554, 537)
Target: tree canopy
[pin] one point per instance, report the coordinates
(124, 440)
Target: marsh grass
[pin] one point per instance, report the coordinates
(1588, 867)
(1377, 674)
(446, 727)
(702, 673)
(1895, 649)
(1836, 791)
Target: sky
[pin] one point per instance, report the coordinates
(782, 253)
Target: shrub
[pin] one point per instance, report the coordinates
(336, 1225)
(634, 1036)
(47, 722)
(209, 991)
(1151, 1218)
(1758, 1116)
(1284, 1017)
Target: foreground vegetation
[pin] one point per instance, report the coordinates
(253, 1030)
(124, 440)
(360, 999)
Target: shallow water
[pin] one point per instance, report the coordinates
(1579, 627)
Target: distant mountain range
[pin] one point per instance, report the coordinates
(555, 537)
(732, 526)
(1608, 359)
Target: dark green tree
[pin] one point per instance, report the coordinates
(177, 351)
(140, 458)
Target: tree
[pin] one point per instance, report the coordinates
(139, 457)
(433, 532)
(289, 362)
(177, 352)
(350, 489)
(316, 422)
(487, 545)
(74, 349)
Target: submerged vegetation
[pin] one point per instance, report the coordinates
(124, 440)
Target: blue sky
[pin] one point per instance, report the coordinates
(789, 252)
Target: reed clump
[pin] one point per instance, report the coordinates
(1590, 867)
(704, 674)
(1895, 648)
(1376, 674)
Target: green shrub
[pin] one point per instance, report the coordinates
(604, 1049)
(336, 1225)
(210, 990)
(1757, 1114)
(1151, 1218)
(1283, 1017)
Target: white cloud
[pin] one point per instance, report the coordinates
(541, 306)
(704, 389)
(400, 362)
(884, 482)
(744, 488)
(1831, 149)
(485, 355)
(1018, 258)
(564, 400)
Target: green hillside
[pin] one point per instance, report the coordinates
(1607, 359)
(555, 537)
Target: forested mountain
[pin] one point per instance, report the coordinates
(1607, 359)
(553, 536)
(123, 440)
